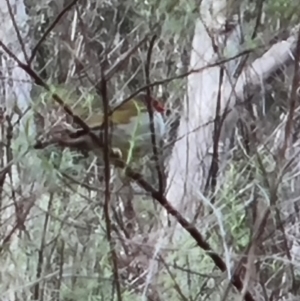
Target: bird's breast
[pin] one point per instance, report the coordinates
(138, 129)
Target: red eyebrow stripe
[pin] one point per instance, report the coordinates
(158, 106)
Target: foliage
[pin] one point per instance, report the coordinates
(62, 252)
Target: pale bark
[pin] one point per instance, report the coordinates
(190, 159)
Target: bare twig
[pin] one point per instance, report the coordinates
(189, 227)
(293, 99)
(54, 23)
(19, 224)
(17, 30)
(218, 121)
(150, 112)
(180, 76)
(124, 57)
(107, 148)
(37, 293)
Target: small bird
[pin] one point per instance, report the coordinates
(129, 129)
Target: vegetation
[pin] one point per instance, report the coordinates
(67, 234)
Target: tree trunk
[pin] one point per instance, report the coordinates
(191, 156)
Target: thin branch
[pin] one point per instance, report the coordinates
(189, 227)
(242, 64)
(125, 56)
(150, 112)
(181, 76)
(218, 121)
(41, 251)
(293, 100)
(19, 224)
(17, 30)
(107, 147)
(49, 29)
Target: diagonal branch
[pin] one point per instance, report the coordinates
(263, 67)
(49, 29)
